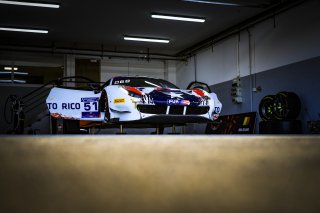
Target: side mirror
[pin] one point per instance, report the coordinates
(95, 87)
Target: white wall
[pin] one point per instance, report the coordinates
(132, 67)
(295, 38)
(109, 67)
(30, 59)
(185, 73)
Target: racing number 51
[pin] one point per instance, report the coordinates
(89, 105)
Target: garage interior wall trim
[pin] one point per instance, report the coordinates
(90, 53)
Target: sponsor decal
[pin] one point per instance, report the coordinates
(90, 114)
(243, 129)
(56, 115)
(178, 102)
(70, 105)
(215, 116)
(173, 102)
(119, 101)
(246, 121)
(185, 102)
(52, 105)
(204, 101)
(122, 81)
(90, 99)
(134, 103)
(147, 99)
(88, 106)
(217, 110)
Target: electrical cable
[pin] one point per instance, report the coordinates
(195, 67)
(250, 68)
(5, 110)
(238, 55)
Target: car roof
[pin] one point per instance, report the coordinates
(108, 82)
(137, 76)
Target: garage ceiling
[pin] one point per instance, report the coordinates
(100, 25)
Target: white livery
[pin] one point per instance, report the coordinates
(136, 100)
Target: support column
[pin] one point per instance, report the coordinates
(69, 68)
(170, 71)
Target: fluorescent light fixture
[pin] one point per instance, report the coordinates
(13, 81)
(214, 2)
(22, 30)
(177, 18)
(32, 4)
(15, 73)
(134, 38)
(11, 68)
(20, 81)
(21, 73)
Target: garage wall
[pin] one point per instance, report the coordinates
(27, 59)
(294, 38)
(132, 67)
(30, 59)
(284, 56)
(300, 77)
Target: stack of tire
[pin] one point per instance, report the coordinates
(279, 114)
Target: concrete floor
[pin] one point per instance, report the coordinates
(160, 174)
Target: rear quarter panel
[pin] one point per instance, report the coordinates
(74, 104)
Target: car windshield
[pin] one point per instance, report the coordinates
(143, 82)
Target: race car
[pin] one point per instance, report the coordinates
(144, 100)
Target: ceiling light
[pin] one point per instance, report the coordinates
(178, 18)
(214, 2)
(11, 68)
(22, 30)
(7, 68)
(133, 38)
(32, 4)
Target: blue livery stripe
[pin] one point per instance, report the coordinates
(92, 99)
(90, 114)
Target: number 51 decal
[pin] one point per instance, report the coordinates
(90, 106)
